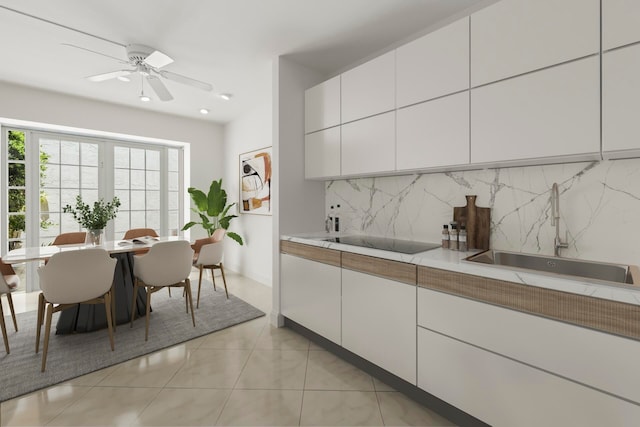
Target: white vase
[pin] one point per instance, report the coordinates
(94, 237)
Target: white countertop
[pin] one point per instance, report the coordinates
(453, 261)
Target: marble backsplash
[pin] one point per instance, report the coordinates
(599, 207)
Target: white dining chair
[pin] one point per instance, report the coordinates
(167, 264)
(70, 278)
(209, 257)
(9, 282)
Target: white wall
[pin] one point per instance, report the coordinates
(205, 138)
(251, 131)
(298, 204)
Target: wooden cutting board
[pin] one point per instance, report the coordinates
(477, 221)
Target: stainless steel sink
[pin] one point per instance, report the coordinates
(590, 270)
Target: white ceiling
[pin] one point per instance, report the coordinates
(228, 43)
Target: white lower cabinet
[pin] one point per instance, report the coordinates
(369, 145)
(379, 322)
(311, 295)
(504, 392)
(570, 351)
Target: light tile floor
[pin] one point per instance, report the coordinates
(249, 374)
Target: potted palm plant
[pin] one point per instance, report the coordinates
(95, 218)
(213, 210)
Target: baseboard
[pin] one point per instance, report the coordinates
(277, 319)
(253, 275)
(437, 405)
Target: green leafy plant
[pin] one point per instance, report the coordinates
(213, 210)
(95, 218)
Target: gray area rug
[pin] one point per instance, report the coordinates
(78, 354)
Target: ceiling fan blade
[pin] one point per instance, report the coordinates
(159, 88)
(158, 59)
(120, 60)
(186, 80)
(111, 75)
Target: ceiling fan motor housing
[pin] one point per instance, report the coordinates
(137, 53)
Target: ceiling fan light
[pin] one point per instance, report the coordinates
(225, 96)
(204, 111)
(144, 98)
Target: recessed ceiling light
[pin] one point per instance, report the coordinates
(124, 79)
(225, 96)
(204, 111)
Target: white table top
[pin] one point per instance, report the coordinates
(37, 253)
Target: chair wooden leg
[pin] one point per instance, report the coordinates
(186, 301)
(213, 278)
(4, 330)
(188, 287)
(39, 320)
(112, 292)
(49, 308)
(199, 285)
(146, 329)
(13, 312)
(224, 280)
(133, 302)
(107, 309)
(169, 292)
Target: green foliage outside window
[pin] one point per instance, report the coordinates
(17, 178)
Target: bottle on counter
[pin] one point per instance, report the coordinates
(329, 223)
(453, 236)
(445, 236)
(462, 238)
(336, 220)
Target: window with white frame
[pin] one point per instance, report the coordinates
(45, 171)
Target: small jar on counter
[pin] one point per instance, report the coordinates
(462, 238)
(453, 236)
(445, 236)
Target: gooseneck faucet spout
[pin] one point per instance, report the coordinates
(555, 220)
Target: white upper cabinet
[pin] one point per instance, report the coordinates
(322, 154)
(434, 65)
(322, 105)
(553, 112)
(434, 133)
(621, 100)
(620, 23)
(512, 37)
(370, 88)
(368, 145)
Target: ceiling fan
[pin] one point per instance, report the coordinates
(148, 63)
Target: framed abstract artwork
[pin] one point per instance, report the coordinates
(255, 182)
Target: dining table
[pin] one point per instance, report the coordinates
(90, 317)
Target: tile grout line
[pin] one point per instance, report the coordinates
(304, 383)
(253, 347)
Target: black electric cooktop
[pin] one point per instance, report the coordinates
(383, 243)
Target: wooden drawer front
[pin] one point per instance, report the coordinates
(599, 314)
(393, 270)
(314, 253)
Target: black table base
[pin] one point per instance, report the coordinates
(90, 317)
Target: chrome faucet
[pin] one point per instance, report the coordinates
(555, 220)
